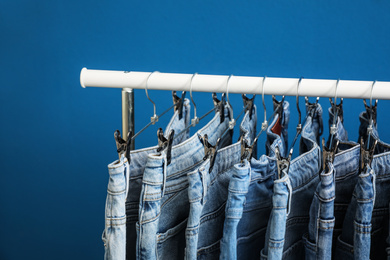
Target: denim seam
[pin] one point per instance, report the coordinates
(257, 232)
(217, 212)
(321, 199)
(169, 199)
(303, 184)
(116, 192)
(177, 230)
(341, 178)
(176, 189)
(142, 222)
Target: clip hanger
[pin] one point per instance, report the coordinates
(219, 105)
(282, 162)
(246, 149)
(123, 146)
(248, 104)
(164, 143)
(367, 155)
(178, 102)
(210, 151)
(328, 154)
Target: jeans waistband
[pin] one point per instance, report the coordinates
(347, 161)
(307, 165)
(225, 159)
(188, 154)
(139, 157)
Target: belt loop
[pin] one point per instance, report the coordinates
(289, 188)
(164, 173)
(127, 176)
(204, 184)
(373, 184)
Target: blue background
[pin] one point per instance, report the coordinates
(56, 138)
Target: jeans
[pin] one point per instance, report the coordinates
(115, 219)
(137, 166)
(293, 193)
(333, 194)
(164, 205)
(249, 196)
(208, 193)
(369, 208)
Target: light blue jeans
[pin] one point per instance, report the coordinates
(164, 205)
(137, 166)
(114, 234)
(293, 193)
(249, 200)
(208, 195)
(366, 224)
(332, 196)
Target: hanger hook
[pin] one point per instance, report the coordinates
(232, 121)
(153, 119)
(195, 120)
(299, 110)
(372, 89)
(264, 125)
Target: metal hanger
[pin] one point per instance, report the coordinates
(329, 152)
(177, 104)
(195, 120)
(246, 148)
(232, 121)
(283, 163)
(371, 111)
(218, 105)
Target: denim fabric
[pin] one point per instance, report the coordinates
(379, 222)
(115, 225)
(332, 196)
(164, 205)
(322, 219)
(137, 166)
(249, 200)
(293, 194)
(358, 232)
(208, 192)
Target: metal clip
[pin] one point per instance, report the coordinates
(282, 163)
(164, 143)
(178, 102)
(328, 154)
(248, 104)
(366, 155)
(123, 146)
(210, 151)
(246, 149)
(219, 105)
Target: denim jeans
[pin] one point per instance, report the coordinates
(293, 193)
(208, 195)
(137, 166)
(164, 205)
(332, 196)
(365, 228)
(115, 219)
(249, 196)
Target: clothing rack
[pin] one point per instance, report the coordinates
(129, 80)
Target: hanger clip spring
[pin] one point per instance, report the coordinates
(165, 143)
(210, 151)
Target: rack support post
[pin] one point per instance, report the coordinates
(128, 113)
